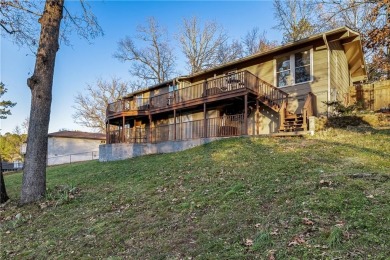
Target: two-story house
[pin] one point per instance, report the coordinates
(268, 92)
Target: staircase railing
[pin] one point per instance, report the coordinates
(272, 95)
(282, 115)
(307, 110)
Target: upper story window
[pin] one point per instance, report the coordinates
(294, 68)
(139, 100)
(172, 88)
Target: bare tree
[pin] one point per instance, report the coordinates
(154, 63)
(295, 18)
(255, 41)
(91, 105)
(40, 83)
(200, 43)
(24, 125)
(229, 52)
(371, 18)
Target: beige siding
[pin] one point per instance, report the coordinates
(264, 70)
(319, 85)
(340, 78)
(268, 121)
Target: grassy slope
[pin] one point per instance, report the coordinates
(315, 198)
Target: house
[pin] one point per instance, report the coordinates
(72, 146)
(269, 92)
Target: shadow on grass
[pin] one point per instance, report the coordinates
(355, 124)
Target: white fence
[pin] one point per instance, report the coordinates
(72, 158)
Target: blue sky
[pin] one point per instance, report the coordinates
(83, 63)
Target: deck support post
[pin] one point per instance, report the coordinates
(150, 128)
(135, 131)
(246, 114)
(205, 119)
(174, 124)
(257, 116)
(123, 129)
(108, 132)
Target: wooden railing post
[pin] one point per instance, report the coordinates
(304, 123)
(150, 128)
(307, 110)
(174, 124)
(282, 116)
(246, 114)
(205, 119)
(257, 117)
(107, 141)
(123, 129)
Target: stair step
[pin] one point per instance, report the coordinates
(292, 125)
(292, 129)
(293, 116)
(294, 120)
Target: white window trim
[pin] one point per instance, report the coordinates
(292, 67)
(138, 99)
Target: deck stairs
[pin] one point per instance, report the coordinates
(277, 100)
(293, 123)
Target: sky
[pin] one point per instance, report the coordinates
(83, 63)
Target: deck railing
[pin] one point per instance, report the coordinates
(307, 110)
(228, 125)
(216, 86)
(124, 105)
(271, 94)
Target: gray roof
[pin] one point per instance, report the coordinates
(78, 134)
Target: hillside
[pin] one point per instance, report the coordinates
(321, 197)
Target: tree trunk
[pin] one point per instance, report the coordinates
(40, 83)
(3, 193)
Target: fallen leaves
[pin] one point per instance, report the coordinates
(325, 184)
(248, 242)
(307, 222)
(297, 240)
(274, 232)
(271, 255)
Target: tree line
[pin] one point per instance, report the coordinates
(43, 25)
(151, 58)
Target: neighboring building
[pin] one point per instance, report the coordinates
(268, 92)
(72, 146)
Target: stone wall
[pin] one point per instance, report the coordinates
(114, 152)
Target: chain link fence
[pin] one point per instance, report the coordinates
(72, 158)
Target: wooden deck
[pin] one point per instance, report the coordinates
(220, 88)
(241, 88)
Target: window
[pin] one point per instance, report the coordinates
(139, 100)
(172, 88)
(283, 71)
(302, 67)
(294, 69)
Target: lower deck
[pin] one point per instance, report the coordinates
(213, 120)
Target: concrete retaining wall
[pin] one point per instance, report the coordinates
(114, 152)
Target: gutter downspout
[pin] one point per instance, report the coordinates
(328, 50)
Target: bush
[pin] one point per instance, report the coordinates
(340, 109)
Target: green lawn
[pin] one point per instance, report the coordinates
(321, 197)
